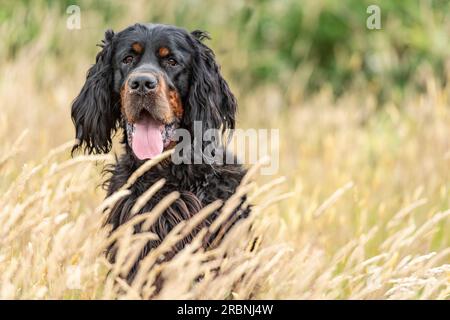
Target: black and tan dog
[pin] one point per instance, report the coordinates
(151, 79)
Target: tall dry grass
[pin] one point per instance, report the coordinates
(363, 212)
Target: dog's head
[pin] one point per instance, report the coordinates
(151, 79)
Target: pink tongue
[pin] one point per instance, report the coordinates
(147, 140)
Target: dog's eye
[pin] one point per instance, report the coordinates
(127, 60)
(172, 62)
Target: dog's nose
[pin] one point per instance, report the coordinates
(143, 82)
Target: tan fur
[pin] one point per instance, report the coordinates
(163, 52)
(137, 47)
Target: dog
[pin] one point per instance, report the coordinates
(151, 80)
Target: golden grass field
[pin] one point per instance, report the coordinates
(362, 213)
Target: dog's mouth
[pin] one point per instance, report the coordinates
(149, 137)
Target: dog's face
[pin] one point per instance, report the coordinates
(152, 68)
(151, 79)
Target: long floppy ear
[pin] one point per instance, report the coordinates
(210, 99)
(95, 113)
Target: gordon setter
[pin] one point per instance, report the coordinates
(150, 80)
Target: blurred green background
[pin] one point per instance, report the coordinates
(308, 44)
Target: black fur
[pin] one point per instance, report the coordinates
(95, 112)
(205, 96)
(210, 99)
(198, 185)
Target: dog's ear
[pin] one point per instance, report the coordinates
(95, 112)
(210, 100)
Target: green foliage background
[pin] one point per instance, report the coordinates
(310, 43)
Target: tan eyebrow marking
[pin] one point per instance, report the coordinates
(137, 47)
(163, 52)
